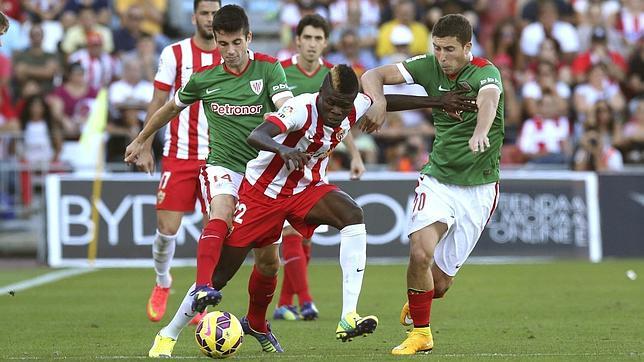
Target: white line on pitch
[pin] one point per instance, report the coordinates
(43, 279)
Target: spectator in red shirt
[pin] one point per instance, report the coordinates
(599, 53)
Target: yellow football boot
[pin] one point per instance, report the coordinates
(162, 347)
(419, 340)
(352, 325)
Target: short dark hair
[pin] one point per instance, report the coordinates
(196, 3)
(342, 79)
(230, 19)
(315, 21)
(455, 25)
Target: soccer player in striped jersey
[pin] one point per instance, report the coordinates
(235, 95)
(185, 148)
(458, 188)
(305, 72)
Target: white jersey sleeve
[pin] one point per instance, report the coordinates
(291, 116)
(167, 70)
(362, 104)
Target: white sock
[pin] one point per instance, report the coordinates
(181, 318)
(353, 257)
(163, 253)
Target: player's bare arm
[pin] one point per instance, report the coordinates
(452, 101)
(145, 162)
(372, 82)
(487, 101)
(262, 139)
(357, 165)
(159, 119)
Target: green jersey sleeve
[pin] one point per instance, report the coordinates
(418, 69)
(486, 77)
(277, 86)
(189, 93)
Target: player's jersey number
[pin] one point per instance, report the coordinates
(419, 202)
(239, 213)
(165, 177)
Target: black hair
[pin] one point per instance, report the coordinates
(197, 2)
(315, 21)
(25, 115)
(230, 19)
(342, 79)
(455, 25)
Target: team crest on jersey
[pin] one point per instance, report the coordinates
(340, 135)
(160, 197)
(257, 86)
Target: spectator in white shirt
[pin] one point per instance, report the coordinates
(549, 25)
(544, 138)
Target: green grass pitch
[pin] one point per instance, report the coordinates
(554, 311)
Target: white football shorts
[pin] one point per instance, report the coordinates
(464, 209)
(217, 180)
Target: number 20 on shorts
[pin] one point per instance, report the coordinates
(419, 202)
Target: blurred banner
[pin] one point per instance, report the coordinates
(540, 215)
(622, 203)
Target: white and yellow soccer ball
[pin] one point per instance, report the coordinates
(219, 334)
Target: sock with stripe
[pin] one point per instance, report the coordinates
(209, 249)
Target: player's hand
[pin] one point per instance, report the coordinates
(455, 102)
(357, 168)
(294, 158)
(479, 142)
(145, 162)
(133, 151)
(374, 118)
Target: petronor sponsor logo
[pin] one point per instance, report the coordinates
(233, 110)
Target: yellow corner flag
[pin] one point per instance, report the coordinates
(96, 121)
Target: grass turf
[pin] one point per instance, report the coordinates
(554, 311)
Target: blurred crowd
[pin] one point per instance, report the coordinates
(572, 72)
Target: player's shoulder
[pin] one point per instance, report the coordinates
(481, 62)
(172, 46)
(263, 58)
(286, 63)
(427, 57)
(326, 63)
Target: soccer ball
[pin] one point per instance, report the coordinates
(219, 334)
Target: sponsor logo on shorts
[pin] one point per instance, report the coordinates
(232, 110)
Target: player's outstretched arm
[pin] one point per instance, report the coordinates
(372, 82)
(452, 101)
(158, 120)
(487, 101)
(262, 139)
(145, 161)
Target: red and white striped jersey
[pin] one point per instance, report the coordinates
(303, 128)
(186, 136)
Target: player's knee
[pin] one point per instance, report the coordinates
(352, 216)
(419, 257)
(268, 267)
(167, 228)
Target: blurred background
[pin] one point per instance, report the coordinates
(572, 73)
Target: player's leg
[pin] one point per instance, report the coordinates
(261, 287)
(295, 278)
(231, 259)
(177, 193)
(220, 187)
(339, 210)
(420, 288)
